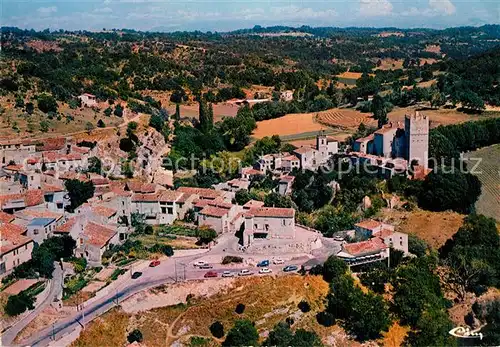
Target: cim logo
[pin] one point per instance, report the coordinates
(466, 333)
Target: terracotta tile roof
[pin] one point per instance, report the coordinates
(204, 193)
(53, 157)
(287, 178)
(51, 144)
(145, 197)
(169, 196)
(81, 150)
(6, 218)
(141, 187)
(99, 181)
(11, 237)
(278, 212)
(251, 171)
(373, 245)
(120, 192)
(200, 203)
(97, 234)
(183, 198)
(214, 211)
(33, 197)
(104, 211)
(290, 158)
(67, 226)
(51, 188)
(369, 224)
(303, 150)
(220, 203)
(253, 204)
(30, 214)
(13, 167)
(384, 233)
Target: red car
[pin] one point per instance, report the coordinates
(154, 263)
(211, 274)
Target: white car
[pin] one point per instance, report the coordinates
(200, 263)
(228, 274)
(245, 272)
(278, 261)
(265, 270)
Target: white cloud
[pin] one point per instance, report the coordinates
(45, 11)
(103, 10)
(373, 8)
(442, 6)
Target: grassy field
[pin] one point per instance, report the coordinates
(488, 173)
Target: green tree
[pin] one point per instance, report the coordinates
(44, 126)
(30, 108)
(417, 246)
(100, 124)
(79, 192)
(108, 112)
(95, 165)
(47, 103)
(333, 267)
(135, 336)
(379, 109)
(432, 329)
(118, 110)
(17, 304)
(217, 329)
(89, 127)
(243, 333)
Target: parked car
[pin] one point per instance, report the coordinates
(210, 274)
(278, 261)
(206, 266)
(154, 263)
(290, 268)
(200, 263)
(245, 272)
(228, 274)
(338, 238)
(136, 275)
(263, 263)
(265, 270)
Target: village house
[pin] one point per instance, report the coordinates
(286, 95)
(88, 100)
(15, 248)
(285, 185)
(14, 202)
(16, 151)
(268, 223)
(233, 185)
(363, 252)
(217, 214)
(94, 240)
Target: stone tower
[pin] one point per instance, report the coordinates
(322, 144)
(417, 138)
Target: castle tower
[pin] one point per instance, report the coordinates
(417, 138)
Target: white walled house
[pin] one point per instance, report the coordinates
(95, 240)
(88, 100)
(39, 229)
(15, 248)
(269, 223)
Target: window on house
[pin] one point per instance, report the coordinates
(35, 231)
(267, 227)
(170, 210)
(283, 222)
(163, 210)
(255, 226)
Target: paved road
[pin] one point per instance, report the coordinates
(54, 291)
(168, 271)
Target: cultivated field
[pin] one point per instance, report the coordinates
(345, 118)
(489, 175)
(290, 124)
(439, 116)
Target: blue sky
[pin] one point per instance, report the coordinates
(225, 15)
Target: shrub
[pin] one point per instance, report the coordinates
(304, 306)
(325, 319)
(17, 304)
(228, 259)
(217, 329)
(240, 308)
(135, 335)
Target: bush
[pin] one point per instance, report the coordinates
(228, 259)
(304, 306)
(240, 308)
(217, 329)
(17, 304)
(325, 319)
(135, 335)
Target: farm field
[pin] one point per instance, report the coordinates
(440, 116)
(345, 118)
(221, 110)
(290, 124)
(489, 175)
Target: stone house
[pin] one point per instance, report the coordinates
(268, 223)
(15, 247)
(88, 100)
